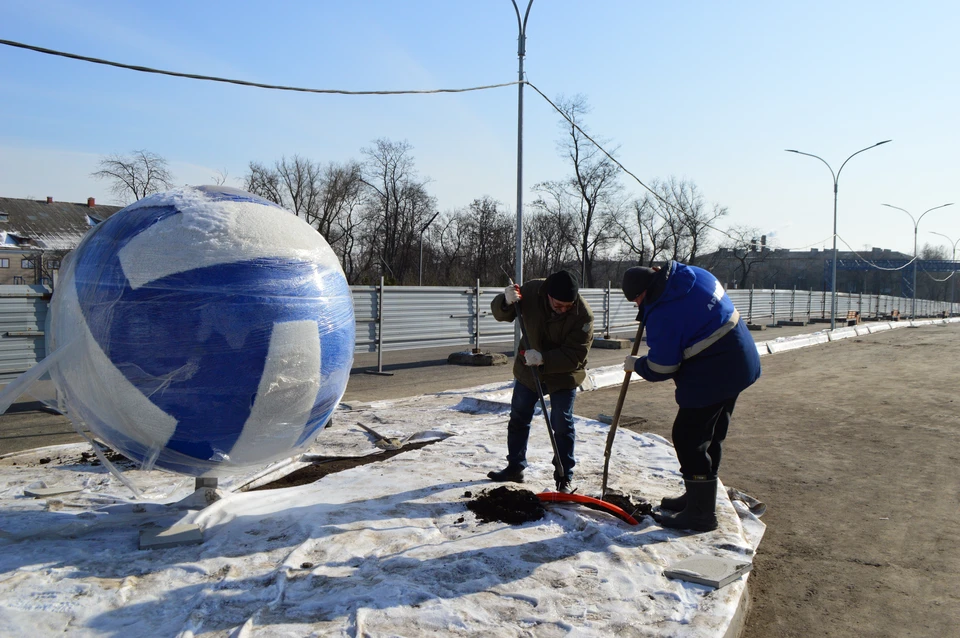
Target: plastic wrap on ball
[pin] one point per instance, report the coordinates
(205, 330)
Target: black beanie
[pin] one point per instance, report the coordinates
(562, 286)
(637, 280)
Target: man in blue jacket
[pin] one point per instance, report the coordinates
(696, 337)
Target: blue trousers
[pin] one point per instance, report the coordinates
(522, 407)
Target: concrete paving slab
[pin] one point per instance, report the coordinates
(706, 569)
(175, 536)
(44, 492)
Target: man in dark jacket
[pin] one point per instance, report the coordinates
(558, 325)
(697, 338)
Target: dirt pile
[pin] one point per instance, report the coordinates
(506, 506)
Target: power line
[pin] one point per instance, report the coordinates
(210, 78)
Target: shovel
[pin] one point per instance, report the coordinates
(557, 464)
(616, 415)
(381, 441)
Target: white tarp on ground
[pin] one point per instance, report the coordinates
(387, 548)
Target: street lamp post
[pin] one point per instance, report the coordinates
(521, 52)
(836, 178)
(421, 243)
(916, 225)
(953, 277)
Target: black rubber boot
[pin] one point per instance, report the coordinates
(509, 473)
(674, 503)
(700, 513)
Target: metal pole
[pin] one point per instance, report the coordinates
(913, 310)
(476, 346)
(793, 300)
(425, 226)
(773, 298)
(833, 289)
(607, 311)
(379, 369)
(521, 52)
(836, 179)
(750, 306)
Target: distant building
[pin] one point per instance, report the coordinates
(764, 267)
(35, 236)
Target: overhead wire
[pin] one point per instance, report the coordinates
(211, 78)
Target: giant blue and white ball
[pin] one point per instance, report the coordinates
(203, 331)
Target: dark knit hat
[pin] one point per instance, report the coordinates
(562, 286)
(636, 280)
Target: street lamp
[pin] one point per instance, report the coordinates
(953, 277)
(916, 224)
(836, 178)
(521, 52)
(421, 243)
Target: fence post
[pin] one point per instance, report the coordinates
(379, 369)
(823, 303)
(750, 306)
(793, 301)
(773, 304)
(607, 311)
(809, 304)
(860, 304)
(476, 343)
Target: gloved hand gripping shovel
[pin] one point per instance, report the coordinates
(560, 474)
(608, 449)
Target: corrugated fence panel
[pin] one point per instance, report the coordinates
(428, 316)
(23, 313)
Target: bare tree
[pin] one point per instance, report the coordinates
(221, 177)
(136, 175)
(587, 196)
(671, 222)
(546, 246)
(446, 246)
(325, 196)
(397, 205)
(489, 239)
(742, 248)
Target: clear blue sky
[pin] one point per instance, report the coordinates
(708, 91)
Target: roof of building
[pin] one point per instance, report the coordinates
(28, 224)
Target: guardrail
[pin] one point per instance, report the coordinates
(391, 318)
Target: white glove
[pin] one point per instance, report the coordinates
(532, 358)
(512, 294)
(630, 363)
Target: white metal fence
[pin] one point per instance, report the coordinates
(391, 318)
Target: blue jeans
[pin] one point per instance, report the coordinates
(522, 406)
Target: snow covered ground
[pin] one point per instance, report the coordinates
(387, 548)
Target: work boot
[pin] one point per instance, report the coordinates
(674, 503)
(700, 512)
(510, 473)
(565, 486)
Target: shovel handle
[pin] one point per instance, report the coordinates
(612, 433)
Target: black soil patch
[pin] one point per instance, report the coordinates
(506, 506)
(90, 458)
(636, 509)
(323, 467)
